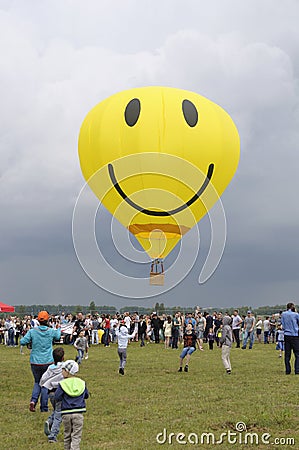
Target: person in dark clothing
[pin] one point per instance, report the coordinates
(217, 325)
(189, 347)
(79, 325)
(209, 324)
(176, 325)
(156, 324)
(142, 330)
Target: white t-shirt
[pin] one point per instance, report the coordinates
(113, 322)
(236, 320)
(127, 321)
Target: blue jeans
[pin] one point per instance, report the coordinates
(11, 337)
(266, 337)
(38, 371)
(187, 351)
(80, 355)
(94, 337)
(248, 335)
(55, 418)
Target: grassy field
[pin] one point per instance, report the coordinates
(128, 412)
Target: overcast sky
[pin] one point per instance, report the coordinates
(60, 58)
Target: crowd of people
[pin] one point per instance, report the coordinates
(153, 328)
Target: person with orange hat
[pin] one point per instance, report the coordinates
(41, 356)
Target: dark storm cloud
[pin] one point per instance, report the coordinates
(54, 71)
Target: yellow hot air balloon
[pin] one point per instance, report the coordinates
(158, 158)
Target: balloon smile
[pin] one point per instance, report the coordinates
(161, 213)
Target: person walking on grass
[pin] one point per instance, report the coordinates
(290, 326)
(280, 340)
(81, 345)
(167, 328)
(72, 393)
(189, 347)
(200, 327)
(236, 326)
(226, 341)
(41, 339)
(258, 328)
(272, 331)
(211, 338)
(106, 327)
(142, 330)
(49, 382)
(176, 325)
(94, 331)
(123, 338)
(249, 323)
(266, 325)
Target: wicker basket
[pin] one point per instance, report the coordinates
(157, 279)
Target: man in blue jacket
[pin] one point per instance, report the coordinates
(290, 325)
(41, 356)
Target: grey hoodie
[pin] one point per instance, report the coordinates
(52, 376)
(227, 335)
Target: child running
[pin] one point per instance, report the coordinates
(123, 337)
(49, 381)
(72, 392)
(81, 345)
(189, 347)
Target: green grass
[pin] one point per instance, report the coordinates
(128, 412)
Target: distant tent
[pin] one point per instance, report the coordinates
(6, 308)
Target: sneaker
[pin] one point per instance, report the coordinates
(180, 369)
(52, 440)
(228, 371)
(47, 428)
(121, 371)
(32, 407)
(86, 357)
(186, 368)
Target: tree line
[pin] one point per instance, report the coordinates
(160, 308)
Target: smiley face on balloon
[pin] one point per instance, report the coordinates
(158, 159)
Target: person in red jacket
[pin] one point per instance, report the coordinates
(106, 326)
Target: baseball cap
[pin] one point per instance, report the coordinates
(248, 312)
(43, 316)
(70, 366)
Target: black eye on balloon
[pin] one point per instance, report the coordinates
(132, 112)
(190, 113)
